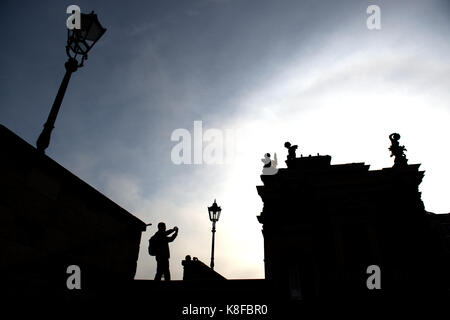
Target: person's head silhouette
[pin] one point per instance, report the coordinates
(161, 226)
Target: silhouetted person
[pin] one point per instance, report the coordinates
(162, 253)
(291, 150)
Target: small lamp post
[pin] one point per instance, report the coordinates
(214, 215)
(79, 42)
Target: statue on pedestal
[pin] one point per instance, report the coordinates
(270, 166)
(397, 151)
(291, 150)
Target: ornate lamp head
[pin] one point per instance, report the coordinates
(80, 41)
(214, 212)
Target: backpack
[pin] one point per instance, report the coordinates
(153, 246)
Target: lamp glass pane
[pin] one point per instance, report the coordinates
(83, 47)
(91, 26)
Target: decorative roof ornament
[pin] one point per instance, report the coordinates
(291, 150)
(270, 166)
(397, 151)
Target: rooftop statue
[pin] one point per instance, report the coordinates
(270, 166)
(397, 151)
(291, 150)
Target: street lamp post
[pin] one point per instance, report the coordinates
(79, 42)
(214, 215)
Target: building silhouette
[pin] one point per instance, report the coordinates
(323, 226)
(50, 220)
(194, 269)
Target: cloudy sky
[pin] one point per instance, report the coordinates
(259, 72)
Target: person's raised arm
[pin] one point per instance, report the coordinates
(170, 231)
(172, 237)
